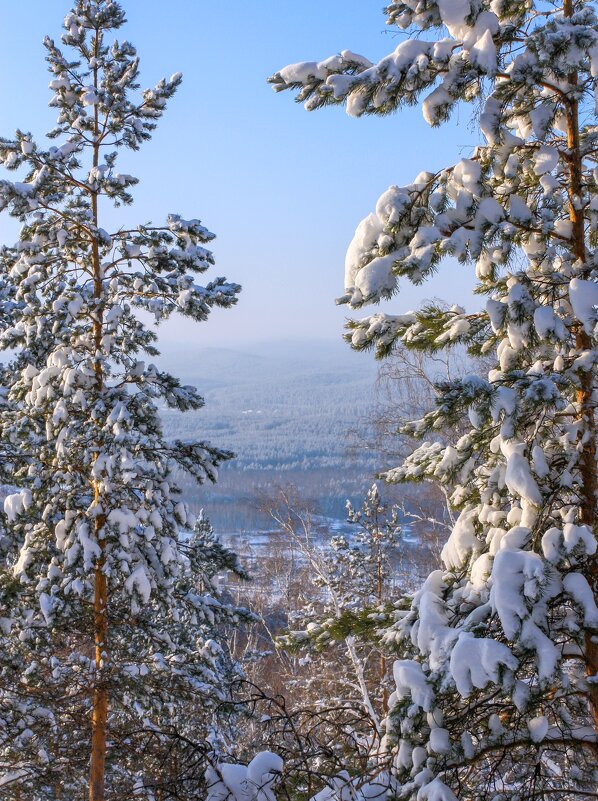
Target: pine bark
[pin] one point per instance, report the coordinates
(99, 717)
(585, 400)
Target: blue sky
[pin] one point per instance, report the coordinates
(282, 189)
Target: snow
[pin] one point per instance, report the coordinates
(302, 72)
(364, 240)
(462, 541)
(91, 549)
(518, 475)
(516, 580)
(123, 519)
(435, 103)
(540, 118)
(519, 211)
(17, 503)
(254, 782)
(376, 278)
(468, 173)
(440, 742)
(475, 662)
(12, 776)
(551, 544)
(578, 588)
(584, 300)
(547, 324)
(59, 83)
(495, 725)
(454, 14)
(226, 782)
(46, 606)
(344, 788)
(431, 632)
(89, 96)
(545, 159)
(411, 682)
(262, 773)
(483, 53)
(586, 361)
(504, 402)
(538, 728)
(491, 210)
(579, 535)
(139, 581)
(436, 790)
(539, 462)
(497, 311)
(489, 120)
(547, 653)
(480, 570)
(368, 272)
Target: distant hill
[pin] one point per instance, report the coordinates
(279, 406)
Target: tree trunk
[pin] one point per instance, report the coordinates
(99, 717)
(587, 413)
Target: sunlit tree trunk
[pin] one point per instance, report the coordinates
(100, 609)
(586, 388)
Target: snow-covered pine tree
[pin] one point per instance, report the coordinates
(101, 587)
(498, 698)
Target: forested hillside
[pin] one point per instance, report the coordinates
(280, 406)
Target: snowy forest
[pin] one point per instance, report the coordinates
(275, 573)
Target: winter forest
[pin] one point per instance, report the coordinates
(363, 573)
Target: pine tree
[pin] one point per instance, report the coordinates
(100, 589)
(497, 693)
